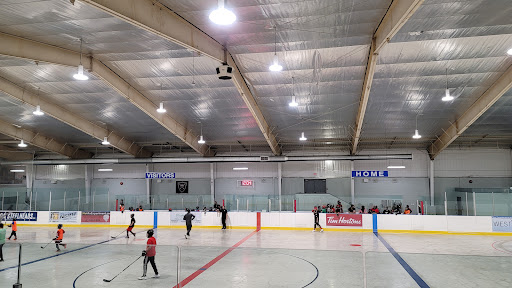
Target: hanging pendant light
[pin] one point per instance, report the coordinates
(161, 109)
(201, 140)
(105, 141)
(38, 111)
(447, 96)
(416, 133)
(221, 15)
(80, 74)
(293, 103)
(275, 67)
(22, 144)
(302, 137)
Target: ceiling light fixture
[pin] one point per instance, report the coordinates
(38, 111)
(240, 168)
(105, 141)
(447, 96)
(222, 16)
(22, 144)
(105, 169)
(161, 109)
(416, 134)
(201, 140)
(396, 167)
(293, 103)
(302, 138)
(17, 170)
(275, 67)
(80, 74)
(509, 52)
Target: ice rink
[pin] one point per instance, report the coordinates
(246, 258)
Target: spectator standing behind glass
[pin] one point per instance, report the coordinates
(352, 209)
(407, 210)
(362, 210)
(386, 211)
(339, 208)
(375, 210)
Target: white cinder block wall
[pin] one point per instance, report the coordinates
(487, 168)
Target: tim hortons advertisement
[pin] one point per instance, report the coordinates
(96, 217)
(333, 219)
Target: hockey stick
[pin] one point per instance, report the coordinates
(106, 280)
(118, 235)
(46, 244)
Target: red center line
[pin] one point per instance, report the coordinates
(211, 263)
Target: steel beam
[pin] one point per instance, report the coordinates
(482, 104)
(42, 141)
(156, 18)
(365, 95)
(14, 155)
(398, 13)
(37, 51)
(71, 119)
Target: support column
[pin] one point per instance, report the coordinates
(89, 169)
(148, 185)
(352, 184)
(279, 182)
(212, 182)
(29, 173)
(431, 178)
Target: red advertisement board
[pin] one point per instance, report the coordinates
(333, 219)
(96, 217)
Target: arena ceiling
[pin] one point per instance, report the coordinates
(365, 75)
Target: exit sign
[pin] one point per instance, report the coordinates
(246, 183)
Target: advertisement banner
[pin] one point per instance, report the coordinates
(177, 217)
(103, 217)
(64, 217)
(19, 215)
(501, 224)
(333, 219)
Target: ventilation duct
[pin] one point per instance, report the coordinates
(208, 159)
